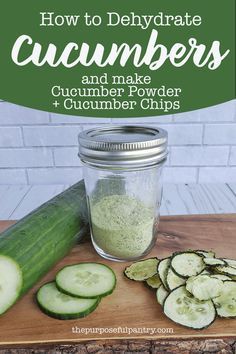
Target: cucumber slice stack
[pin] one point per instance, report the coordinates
(77, 290)
(193, 287)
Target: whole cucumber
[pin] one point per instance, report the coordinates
(39, 240)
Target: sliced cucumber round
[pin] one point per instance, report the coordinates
(10, 282)
(208, 254)
(226, 270)
(230, 262)
(162, 270)
(61, 306)
(161, 295)
(173, 280)
(187, 264)
(181, 307)
(154, 282)
(226, 303)
(86, 280)
(204, 287)
(142, 270)
(214, 261)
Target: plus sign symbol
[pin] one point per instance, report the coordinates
(56, 104)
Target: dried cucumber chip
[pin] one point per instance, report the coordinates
(161, 294)
(226, 303)
(142, 270)
(154, 282)
(162, 270)
(181, 307)
(173, 280)
(204, 287)
(214, 261)
(187, 264)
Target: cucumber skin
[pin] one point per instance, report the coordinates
(39, 240)
(87, 297)
(66, 316)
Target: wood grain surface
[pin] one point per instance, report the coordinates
(132, 305)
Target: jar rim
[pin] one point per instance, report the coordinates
(123, 146)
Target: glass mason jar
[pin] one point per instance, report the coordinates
(122, 168)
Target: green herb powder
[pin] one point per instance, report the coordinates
(122, 226)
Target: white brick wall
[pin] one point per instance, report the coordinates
(232, 160)
(26, 157)
(51, 135)
(180, 174)
(39, 148)
(184, 134)
(217, 174)
(11, 137)
(54, 175)
(199, 156)
(218, 134)
(67, 156)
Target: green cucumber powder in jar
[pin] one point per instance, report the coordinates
(122, 169)
(122, 226)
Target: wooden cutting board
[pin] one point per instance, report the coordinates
(132, 307)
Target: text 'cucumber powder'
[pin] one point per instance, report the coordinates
(122, 226)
